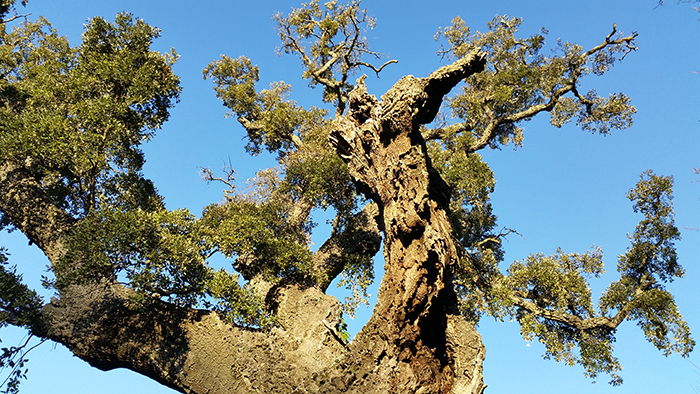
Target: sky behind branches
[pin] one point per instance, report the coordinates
(565, 188)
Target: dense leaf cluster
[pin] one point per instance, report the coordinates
(648, 264)
(551, 299)
(75, 116)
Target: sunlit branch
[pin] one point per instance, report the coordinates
(14, 18)
(569, 319)
(373, 68)
(489, 133)
(439, 133)
(208, 176)
(624, 40)
(362, 238)
(497, 238)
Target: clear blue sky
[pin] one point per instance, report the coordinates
(565, 188)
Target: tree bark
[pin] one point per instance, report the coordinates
(415, 341)
(415, 337)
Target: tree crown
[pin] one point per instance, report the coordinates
(73, 119)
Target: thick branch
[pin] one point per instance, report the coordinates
(32, 211)
(184, 349)
(362, 237)
(442, 80)
(439, 133)
(195, 351)
(250, 126)
(569, 319)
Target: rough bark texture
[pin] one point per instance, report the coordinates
(415, 341)
(415, 336)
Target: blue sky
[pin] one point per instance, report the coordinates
(565, 188)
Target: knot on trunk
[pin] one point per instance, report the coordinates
(361, 103)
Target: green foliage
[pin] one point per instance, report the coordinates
(261, 238)
(471, 181)
(172, 261)
(343, 329)
(652, 248)
(75, 116)
(234, 84)
(14, 359)
(357, 276)
(561, 340)
(556, 284)
(19, 305)
(559, 281)
(650, 262)
(269, 117)
(163, 255)
(551, 299)
(313, 172)
(238, 304)
(520, 81)
(161, 252)
(330, 40)
(268, 231)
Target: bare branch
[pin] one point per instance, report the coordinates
(628, 41)
(497, 238)
(14, 18)
(230, 175)
(376, 70)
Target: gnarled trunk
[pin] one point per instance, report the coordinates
(415, 336)
(415, 341)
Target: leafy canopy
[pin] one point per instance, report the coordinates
(74, 117)
(548, 295)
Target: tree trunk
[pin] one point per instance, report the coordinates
(415, 341)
